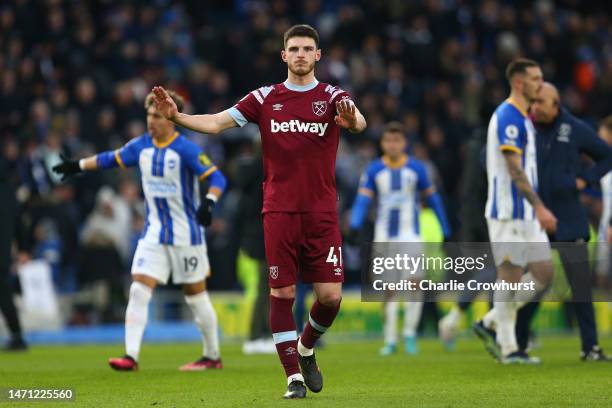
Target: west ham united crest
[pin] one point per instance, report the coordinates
(319, 107)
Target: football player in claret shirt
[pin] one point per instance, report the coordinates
(171, 169)
(299, 121)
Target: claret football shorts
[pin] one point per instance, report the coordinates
(304, 244)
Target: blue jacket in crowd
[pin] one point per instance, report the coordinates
(559, 149)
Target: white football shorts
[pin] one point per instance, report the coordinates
(188, 264)
(519, 242)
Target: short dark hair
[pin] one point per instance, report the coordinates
(519, 66)
(301, 30)
(607, 123)
(178, 99)
(394, 127)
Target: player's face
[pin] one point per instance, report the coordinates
(158, 126)
(393, 144)
(532, 81)
(300, 54)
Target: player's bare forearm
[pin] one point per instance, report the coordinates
(519, 178)
(428, 192)
(360, 124)
(89, 163)
(210, 124)
(216, 191)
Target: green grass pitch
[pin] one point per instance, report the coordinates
(355, 376)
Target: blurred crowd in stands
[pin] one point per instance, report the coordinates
(74, 74)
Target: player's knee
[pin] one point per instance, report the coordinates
(331, 299)
(543, 272)
(191, 289)
(140, 292)
(286, 292)
(148, 281)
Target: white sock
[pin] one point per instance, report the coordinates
(293, 377)
(505, 321)
(303, 350)
(412, 315)
(453, 317)
(390, 324)
(206, 319)
(523, 297)
(136, 316)
(489, 319)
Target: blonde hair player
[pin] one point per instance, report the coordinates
(171, 168)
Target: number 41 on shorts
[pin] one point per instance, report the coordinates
(335, 259)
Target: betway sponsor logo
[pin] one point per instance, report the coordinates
(295, 126)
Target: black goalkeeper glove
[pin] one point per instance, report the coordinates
(205, 212)
(67, 168)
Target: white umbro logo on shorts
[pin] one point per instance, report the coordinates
(338, 271)
(274, 272)
(277, 106)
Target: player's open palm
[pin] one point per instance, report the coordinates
(164, 103)
(347, 116)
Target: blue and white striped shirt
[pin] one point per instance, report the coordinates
(397, 190)
(171, 175)
(509, 129)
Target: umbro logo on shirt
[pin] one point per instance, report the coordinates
(295, 126)
(277, 106)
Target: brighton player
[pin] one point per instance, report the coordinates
(605, 228)
(172, 169)
(299, 121)
(396, 180)
(516, 217)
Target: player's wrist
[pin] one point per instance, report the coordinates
(174, 117)
(354, 127)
